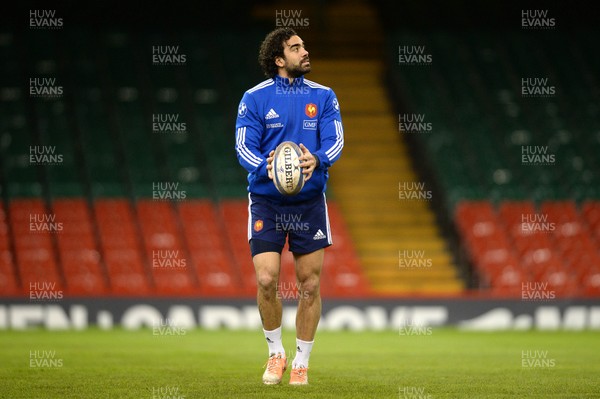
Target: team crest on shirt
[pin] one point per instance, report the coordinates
(258, 225)
(310, 110)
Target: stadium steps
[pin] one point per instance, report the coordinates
(365, 183)
(328, 27)
(366, 180)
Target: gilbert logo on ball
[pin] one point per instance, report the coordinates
(287, 173)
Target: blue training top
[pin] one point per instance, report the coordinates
(275, 111)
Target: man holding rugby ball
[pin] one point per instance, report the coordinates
(288, 107)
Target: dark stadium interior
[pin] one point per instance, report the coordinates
(464, 209)
(103, 189)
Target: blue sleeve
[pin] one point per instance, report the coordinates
(331, 132)
(248, 135)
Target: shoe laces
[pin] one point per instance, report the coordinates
(272, 363)
(300, 371)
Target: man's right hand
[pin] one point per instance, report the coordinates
(270, 164)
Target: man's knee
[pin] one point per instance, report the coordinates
(266, 282)
(267, 267)
(309, 286)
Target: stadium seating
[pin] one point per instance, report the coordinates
(472, 95)
(8, 272)
(77, 249)
(506, 254)
(120, 247)
(117, 236)
(34, 250)
(195, 248)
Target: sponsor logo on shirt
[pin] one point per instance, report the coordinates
(308, 124)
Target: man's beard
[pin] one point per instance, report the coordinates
(297, 70)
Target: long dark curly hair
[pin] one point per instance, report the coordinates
(271, 48)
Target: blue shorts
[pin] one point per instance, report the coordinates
(304, 225)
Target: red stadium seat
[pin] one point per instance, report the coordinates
(120, 247)
(210, 255)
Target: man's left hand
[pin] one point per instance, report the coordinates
(308, 162)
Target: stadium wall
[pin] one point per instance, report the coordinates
(409, 317)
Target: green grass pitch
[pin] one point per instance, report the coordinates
(229, 364)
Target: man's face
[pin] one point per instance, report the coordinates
(295, 61)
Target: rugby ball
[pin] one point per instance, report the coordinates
(287, 173)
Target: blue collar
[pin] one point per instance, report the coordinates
(281, 81)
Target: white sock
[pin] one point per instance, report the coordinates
(274, 341)
(303, 349)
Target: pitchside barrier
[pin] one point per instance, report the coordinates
(408, 316)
